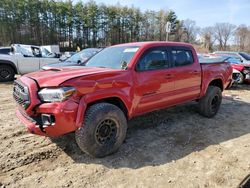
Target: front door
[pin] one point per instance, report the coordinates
(154, 80)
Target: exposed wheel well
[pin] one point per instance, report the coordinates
(218, 83)
(115, 101)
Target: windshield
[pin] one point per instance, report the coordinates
(245, 55)
(83, 55)
(117, 57)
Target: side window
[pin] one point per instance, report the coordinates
(153, 59)
(182, 57)
(36, 52)
(4, 51)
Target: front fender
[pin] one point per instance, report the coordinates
(88, 99)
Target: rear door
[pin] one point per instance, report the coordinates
(154, 80)
(187, 74)
(27, 64)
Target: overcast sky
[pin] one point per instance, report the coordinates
(205, 13)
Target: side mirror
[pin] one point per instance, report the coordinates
(124, 65)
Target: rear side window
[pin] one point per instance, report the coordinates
(153, 59)
(4, 51)
(182, 57)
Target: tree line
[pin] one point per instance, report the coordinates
(67, 23)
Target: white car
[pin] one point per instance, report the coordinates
(24, 59)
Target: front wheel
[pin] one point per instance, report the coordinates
(103, 131)
(210, 103)
(6, 73)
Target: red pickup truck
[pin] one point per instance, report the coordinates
(123, 81)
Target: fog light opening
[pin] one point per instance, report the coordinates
(48, 119)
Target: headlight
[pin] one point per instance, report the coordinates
(246, 71)
(56, 94)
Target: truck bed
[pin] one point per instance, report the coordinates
(218, 70)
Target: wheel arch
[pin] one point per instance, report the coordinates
(214, 82)
(112, 100)
(84, 105)
(217, 82)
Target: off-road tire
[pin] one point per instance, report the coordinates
(6, 73)
(210, 103)
(88, 135)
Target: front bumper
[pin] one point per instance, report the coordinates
(65, 114)
(32, 126)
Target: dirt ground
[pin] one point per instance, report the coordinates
(175, 147)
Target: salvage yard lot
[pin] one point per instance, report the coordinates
(175, 147)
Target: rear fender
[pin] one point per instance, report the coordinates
(218, 81)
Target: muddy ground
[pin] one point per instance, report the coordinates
(174, 147)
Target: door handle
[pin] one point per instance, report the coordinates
(195, 72)
(168, 76)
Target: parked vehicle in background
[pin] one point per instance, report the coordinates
(237, 78)
(118, 83)
(236, 75)
(52, 48)
(5, 50)
(244, 57)
(24, 59)
(79, 59)
(66, 55)
(244, 69)
(241, 71)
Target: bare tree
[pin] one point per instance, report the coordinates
(223, 32)
(180, 35)
(191, 30)
(242, 37)
(208, 37)
(248, 41)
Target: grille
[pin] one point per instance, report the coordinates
(21, 94)
(247, 68)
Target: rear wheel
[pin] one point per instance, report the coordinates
(103, 131)
(210, 103)
(6, 73)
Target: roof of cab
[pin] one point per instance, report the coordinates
(153, 43)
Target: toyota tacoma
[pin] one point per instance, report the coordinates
(96, 100)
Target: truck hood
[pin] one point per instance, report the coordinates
(55, 76)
